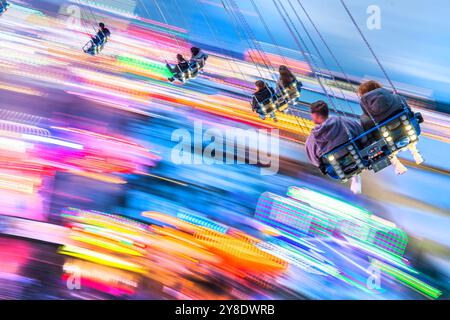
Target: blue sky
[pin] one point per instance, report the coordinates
(413, 42)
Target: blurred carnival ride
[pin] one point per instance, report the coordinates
(306, 244)
(190, 256)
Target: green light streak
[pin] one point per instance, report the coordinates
(387, 255)
(354, 221)
(147, 65)
(408, 280)
(328, 203)
(354, 283)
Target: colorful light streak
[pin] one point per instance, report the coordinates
(145, 66)
(124, 239)
(116, 61)
(99, 273)
(104, 244)
(239, 252)
(362, 224)
(104, 220)
(100, 258)
(308, 212)
(203, 222)
(298, 258)
(408, 280)
(14, 145)
(54, 141)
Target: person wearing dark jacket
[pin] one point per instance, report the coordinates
(329, 133)
(378, 105)
(286, 78)
(263, 93)
(98, 41)
(181, 66)
(103, 33)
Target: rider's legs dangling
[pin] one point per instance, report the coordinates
(398, 166)
(356, 184)
(415, 153)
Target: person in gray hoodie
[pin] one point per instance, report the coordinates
(329, 133)
(378, 105)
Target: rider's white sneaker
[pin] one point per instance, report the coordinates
(356, 184)
(416, 154)
(398, 166)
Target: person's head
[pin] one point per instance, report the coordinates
(319, 112)
(368, 86)
(260, 85)
(101, 25)
(283, 69)
(180, 58)
(286, 75)
(195, 51)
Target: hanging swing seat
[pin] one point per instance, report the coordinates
(288, 95)
(95, 46)
(185, 75)
(281, 100)
(192, 72)
(267, 107)
(4, 6)
(373, 149)
(291, 92)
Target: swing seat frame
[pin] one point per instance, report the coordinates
(190, 73)
(94, 49)
(280, 101)
(373, 149)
